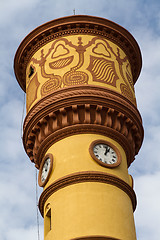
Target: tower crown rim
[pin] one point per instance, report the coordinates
(76, 24)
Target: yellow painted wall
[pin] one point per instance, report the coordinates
(86, 209)
(90, 208)
(72, 155)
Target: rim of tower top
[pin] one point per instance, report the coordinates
(75, 24)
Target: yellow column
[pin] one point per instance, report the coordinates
(90, 202)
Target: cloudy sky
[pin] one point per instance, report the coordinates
(18, 218)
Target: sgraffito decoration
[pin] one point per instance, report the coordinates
(103, 70)
(80, 60)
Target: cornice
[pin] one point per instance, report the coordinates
(71, 25)
(83, 129)
(88, 176)
(78, 110)
(62, 96)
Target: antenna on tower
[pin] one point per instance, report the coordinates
(74, 11)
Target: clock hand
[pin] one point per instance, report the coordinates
(107, 150)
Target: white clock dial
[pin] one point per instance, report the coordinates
(45, 169)
(105, 153)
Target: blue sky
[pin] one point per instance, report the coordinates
(17, 173)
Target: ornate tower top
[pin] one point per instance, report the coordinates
(77, 24)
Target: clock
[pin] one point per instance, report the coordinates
(45, 170)
(105, 153)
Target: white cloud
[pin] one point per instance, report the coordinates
(10, 129)
(148, 194)
(10, 8)
(27, 233)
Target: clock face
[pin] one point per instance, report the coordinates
(105, 153)
(45, 169)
